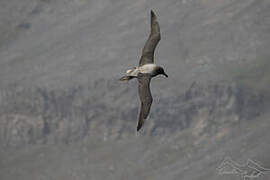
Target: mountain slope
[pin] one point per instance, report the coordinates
(65, 115)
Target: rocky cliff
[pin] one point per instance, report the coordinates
(31, 116)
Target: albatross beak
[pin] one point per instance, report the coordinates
(165, 74)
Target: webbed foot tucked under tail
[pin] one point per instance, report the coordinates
(126, 78)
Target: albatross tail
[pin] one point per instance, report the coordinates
(126, 78)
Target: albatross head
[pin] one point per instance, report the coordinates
(160, 70)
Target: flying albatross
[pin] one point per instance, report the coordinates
(146, 70)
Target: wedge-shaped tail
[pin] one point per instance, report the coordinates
(126, 78)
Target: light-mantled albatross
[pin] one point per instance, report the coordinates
(146, 70)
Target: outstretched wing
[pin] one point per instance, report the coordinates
(151, 43)
(145, 97)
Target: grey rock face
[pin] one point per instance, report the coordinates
(37, 115)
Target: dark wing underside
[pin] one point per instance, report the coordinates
(145, 97)
(151, 43)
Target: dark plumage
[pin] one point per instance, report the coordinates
(151, 43)
(145, 97)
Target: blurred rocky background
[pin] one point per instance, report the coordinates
(65, 115)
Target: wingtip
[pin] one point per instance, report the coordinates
(152, 13)
(153, 17)
(139, 126)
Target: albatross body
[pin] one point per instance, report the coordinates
(146, 70)
(150, 69)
